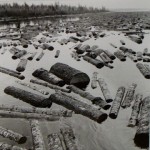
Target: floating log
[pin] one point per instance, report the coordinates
(116, 103)
(55, 87)
(70, 75)
(143, 70)
(36, 111)
(75, 56)
(48, 77)
(139, 56)
(105, 58)
(122, 42)
(40, 56)
(108, 65)
(69, 138)
(105, 90)
(102, 35)
(57, 53)
(94, 80)
(113, 45)
(99, 64)
(54, 142)
(131, 56)
(124, 49)
(19, 54)
(77, 47)
(47, 46)
(94, 47)
(129, 96)
(22, 65)
(78, 107)
(28, 97)
(14, 136)
(135, 111)
(120, 55)
(97, 52)
(135, 39)
(145, 52)
(14, 50)
(141, 138)
(110, 55)
(95, 100)
(32, 56)
(38, 140)
(5, 146)
(83, 49)
(11, 73)
(146, 59)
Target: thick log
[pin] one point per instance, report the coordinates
(5, 146)
(141, 138)
(145, 52)
(129, 96)
(114, 46)
(94, 80)
(124, 49)
(78, 107)
(105, 90)
(139, 56)
(110, 55)
(77, 47)
(11, 73)
(15, 72)
(97, 52)
(36, 110)
(94, 47)
(146, 59)
(143, 70)
(22, 65)
(120, 55)
(135, 39)
(75, 56)
(95, 100)
(14, 50)
(55, 87)
(38, 140)
(69, 138)
(32, 56)
(97, 63)
(40, 56)
(19, 54)
(47, 46)
(14, 136)
(54, 142)
(116, 103)
(135, 111)
(83, 49)
(57, 53)
(28, 97)
(70, 75)
(48, 77)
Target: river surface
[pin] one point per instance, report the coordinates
(111, 134)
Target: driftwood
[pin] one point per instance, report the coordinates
(48, 77)
(145, 52)
(57, 53)
(110, 55)
(40, 56)
(69, 138)
(145, 72)
(114, 46)
(78, 107)
(141, 138)
(28, 97)
(70, 75)
(75, 56)
(120, 55)
(83, 49)
(135, 39)
(94, 80)
(122, 42)
(14, 50)
(38, 140)
(11, 73)
(19, 54)
(5, 146)
(131, 56)
(135, 111)
(116, 103)
(54, 142)
(105, 90)
(129, 96)
(139, 56)
(105, 58)
(95, 62)
(47, 46)
(95, 100)
(4, 51)
(32, 56)
(146, 59)
(108, 65)
(12, 135)
(22, 65)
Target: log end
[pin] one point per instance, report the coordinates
(20, 69)
(112, 116)
(102, 118)
(14, 57)
(50, 48)
(22, 140)
(25, 46)
(109, 100)
(22, 77)
(147, 76)
(61, 83)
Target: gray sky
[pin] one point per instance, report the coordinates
(111, 4)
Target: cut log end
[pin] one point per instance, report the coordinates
(14, 57)
(112, 116)
(102, 118)
(22, 140)
(22, 77)
(109, 100)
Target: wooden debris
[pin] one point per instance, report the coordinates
(135, 39)
(146, 59)
(131, 56)
(4, 51)
(105, 58)
(122, 42)
(110, 55)
(120, 55)
(40, 56)
(19, 54)
(94, 80)
(22, 65)
(57, 53)
(32, 56)
(145, 52)
(83, 49)
(75, 56)
(113, 45)
(139, 56)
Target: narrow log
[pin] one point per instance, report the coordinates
(110, 55)
(70, 75)
(55, 87)
(122, 42)
(77, 47)
(131, 56)
(120, 55)
(14, 136)
(78, 107)
(57, 53)
(94, 47)
(48, 77)
(143, 70)
(147, 67)
(19, 54)
(95, 100)
(105, 90)
(15, 72)
(124, 49)
(97, 63)
(114, 46)
(22, 65)
(129, 96)
(69, 138)
(11, 73)
(108, 65)
(28, 97)
(141, 138)
(83, 49)
(97, 52)
(38, 140)
(40, 56)
(135, 111)
(5, 146)
(32, 56)
(116, 103)
(47, 46)
(54, 142)
(94, 80)
(139, 56)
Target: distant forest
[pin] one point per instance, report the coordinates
(25, 10)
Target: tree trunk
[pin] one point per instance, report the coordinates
(40, 56)
(22, 65)
(139, 56)
(120, 55)
(19, 54)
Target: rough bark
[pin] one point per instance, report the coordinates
(22, 65)
(120, 55)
